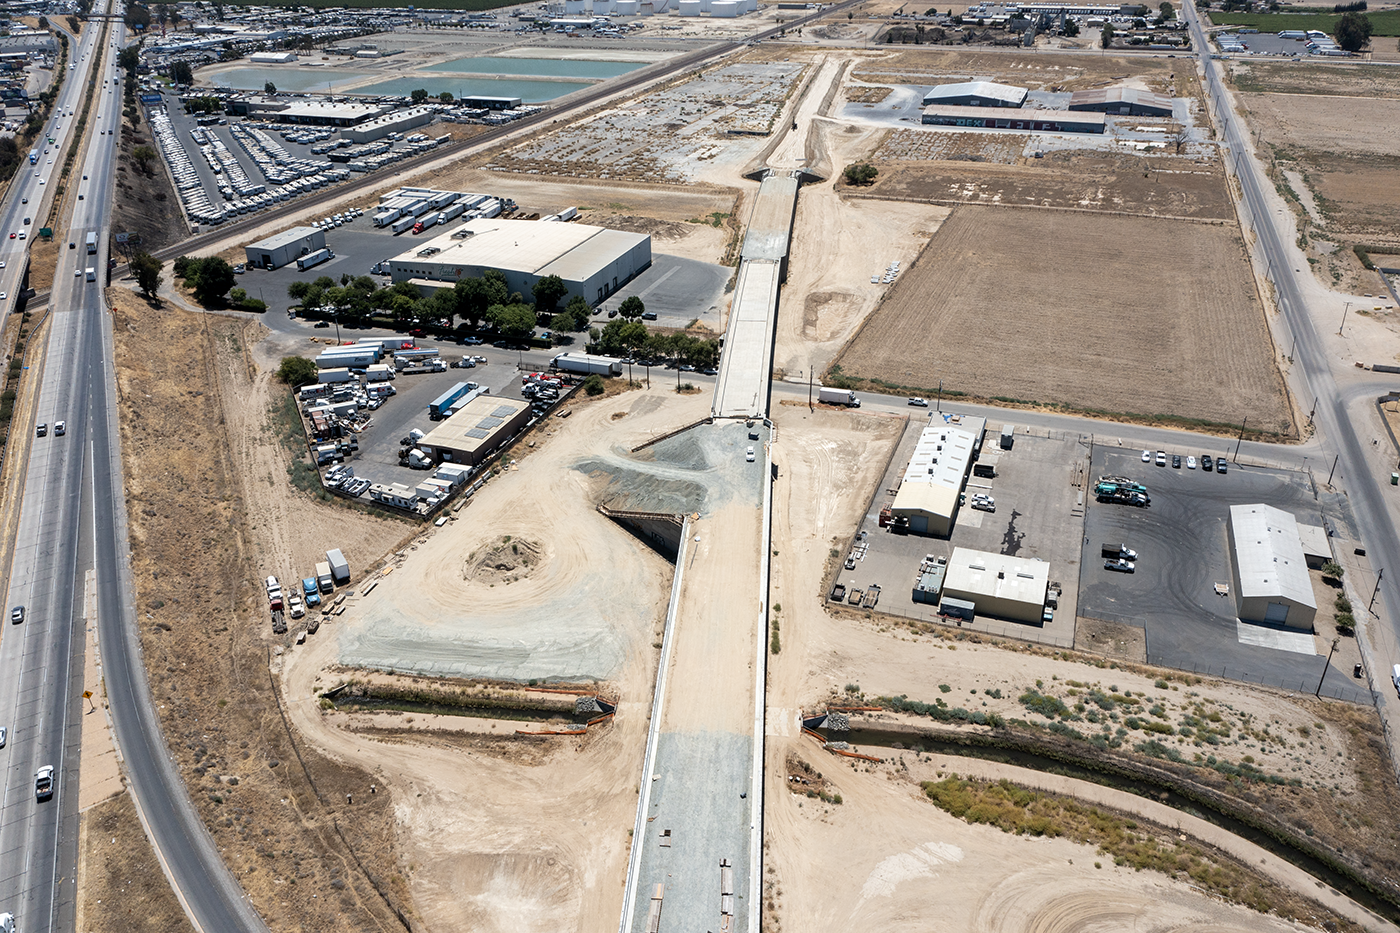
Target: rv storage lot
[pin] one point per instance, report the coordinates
(989, 310)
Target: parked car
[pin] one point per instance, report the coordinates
(1120, 565)
(1147, 456)
(749, 455)
(1161, 458)
(1190, 463)
(1176, 461)
(1221, 466)
(1207, 462)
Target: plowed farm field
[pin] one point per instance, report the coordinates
(1140, 316)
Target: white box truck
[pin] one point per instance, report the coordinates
(832, 396)
(91, 274)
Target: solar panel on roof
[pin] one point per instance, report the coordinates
(478, 433)
(503, 411)
(489, 423)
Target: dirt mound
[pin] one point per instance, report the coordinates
(506, 562)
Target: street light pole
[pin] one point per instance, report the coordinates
(1318, 692)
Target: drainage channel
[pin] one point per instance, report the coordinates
(1353, 887)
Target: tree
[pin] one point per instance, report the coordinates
(128, 58)
(138, 17)
(146, 268)
(181, 73)
(547, 292)
(1106, 36)
(593, 385)
(860, 173)
(446, 97)
(44, 23)
(514, 321)
(209, 278)
(474, 296)
(580, 312)
(298, 291)
(631, 307)
(1353, 31)
(1071, 28)
(1333, 570)
(297, 371)
(419, 95)
(269, 88)
(143, 156)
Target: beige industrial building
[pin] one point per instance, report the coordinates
(1268, 568)
(478, 430)
(933, 481)
(998, 585)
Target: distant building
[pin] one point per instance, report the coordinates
(976, 94)
(1026, 121)
(929, 494)
(272, 58)
(1128, 101)
(998, 585)
(489, 103)
(1268, 568)
(395, 121)
(303, 111)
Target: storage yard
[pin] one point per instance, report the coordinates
(1064, 332)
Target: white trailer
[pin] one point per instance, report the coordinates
(314, 259)
(587, 365)
(402, 224)
(379, 372)
(339, 374)
(349, 361)
(838, 397)
(568, 213)
(452, 212)
(384, 218)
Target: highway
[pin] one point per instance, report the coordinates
(70, 552)
(1335, 427)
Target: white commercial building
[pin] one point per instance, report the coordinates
(976, 94)
(286, 247)
(998, 585)
(933, 481)
(592, 261)
(1268, 568)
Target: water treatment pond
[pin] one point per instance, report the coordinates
(541, 67)
(530, 92)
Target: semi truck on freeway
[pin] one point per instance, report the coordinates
(832, 396)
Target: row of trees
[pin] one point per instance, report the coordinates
(631, 338)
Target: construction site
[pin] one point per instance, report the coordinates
(609, 690)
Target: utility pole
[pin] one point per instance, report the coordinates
(1380, 573)
(940, 395)
(1333, 470)
(1314, 409)
(1318, 692)
(1241, 440)
(1344, 318)
(811, 373)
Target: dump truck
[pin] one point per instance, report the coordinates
(1118, 552)
(832, 396)
(340, 567)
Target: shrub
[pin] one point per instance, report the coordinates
(593, 385)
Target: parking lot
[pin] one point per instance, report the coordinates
(1038, 514)
(1183, 552)
(678, 290)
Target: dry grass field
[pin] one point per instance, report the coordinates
(919, 64)
(1131, 315)
(1169, 186)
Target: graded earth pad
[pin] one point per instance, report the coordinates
(1130, 315)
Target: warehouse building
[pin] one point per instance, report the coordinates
(933, 481)
(1268, 568)
(975, 94)
(1127, 101)
(478, 430)
(1034, 121)
(395, 122)
(283, 248)
(302, 111)
(998, 585)
(592, 261)
(489, 103)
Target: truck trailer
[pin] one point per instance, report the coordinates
(402, 224)
(340, 567)
(832, 396)
(338, 374)
(314, 259)
(361, 360)
(441, 406)
(587, 365)
(384, 218)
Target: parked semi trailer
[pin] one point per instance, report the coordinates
(314, 259)
(587, 365)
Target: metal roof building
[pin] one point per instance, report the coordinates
(933, 481)
(593, 261)
(976, 94)
(280, 249)
(395, 121)
(1268, 569)
(1121, 100)
(477, 430)
(998, 585)
(1034, 121)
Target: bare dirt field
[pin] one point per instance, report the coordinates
(500, 832)
(878, 856)
(935, 65)
(1083, 180)
(207, 656)
(122, 885)
(990, 310)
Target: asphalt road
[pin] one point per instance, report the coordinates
(1333, 421)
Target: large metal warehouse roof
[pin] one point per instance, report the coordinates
(981, 573)
(1005, 95)
(1119, 99)
(1269, 554)
(528, 246)
(934, 477)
